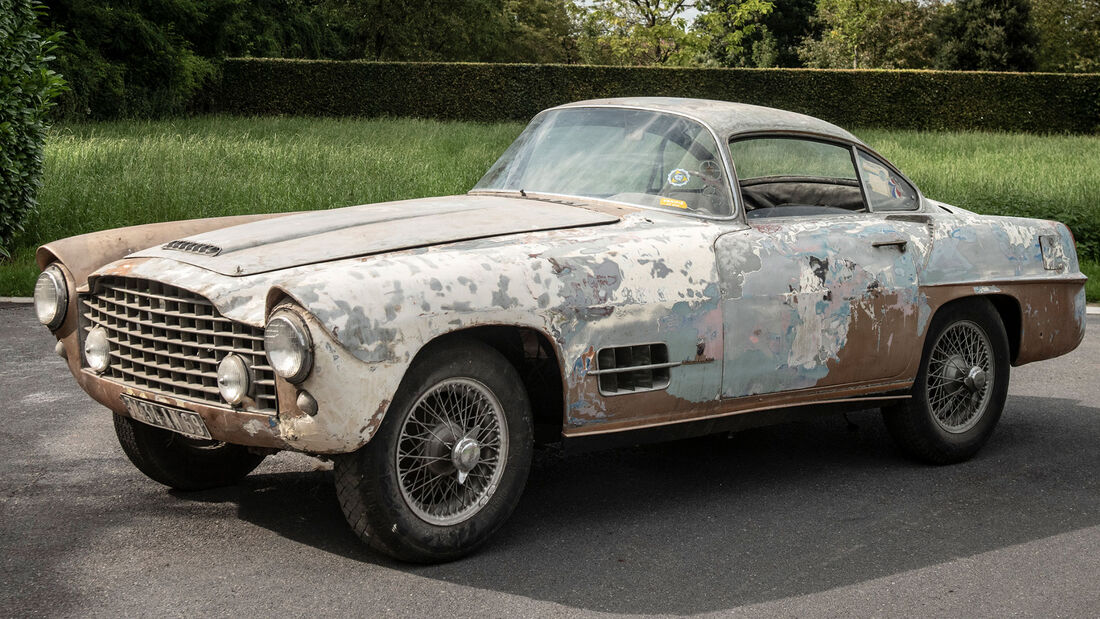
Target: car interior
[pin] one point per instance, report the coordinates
(784, 176)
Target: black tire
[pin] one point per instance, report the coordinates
(370, 488)
(180, 462)
(946, 439)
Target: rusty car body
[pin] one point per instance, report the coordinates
(721, 285)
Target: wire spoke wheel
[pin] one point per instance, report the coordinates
(960, 375)
(451, 451)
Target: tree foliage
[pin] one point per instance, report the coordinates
(988, 35)
(636, 32)
(737, 32)
(27, 91)
(872, 34)
(127, 58)
(1069, 35)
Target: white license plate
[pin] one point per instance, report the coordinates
(167, 417)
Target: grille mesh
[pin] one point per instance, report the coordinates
(169, 341)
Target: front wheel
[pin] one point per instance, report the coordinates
(449, 462)
(960, 389)
(180, 462)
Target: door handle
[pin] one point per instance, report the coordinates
(899, 243)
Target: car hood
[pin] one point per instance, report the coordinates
(321, 236)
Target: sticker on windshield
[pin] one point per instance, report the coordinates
(673, 202)
(678, 177)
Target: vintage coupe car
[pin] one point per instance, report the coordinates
(628, 269)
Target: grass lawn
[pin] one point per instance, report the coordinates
(115, 174)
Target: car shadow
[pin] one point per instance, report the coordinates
(715, 523)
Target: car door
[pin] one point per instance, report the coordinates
(818, 291)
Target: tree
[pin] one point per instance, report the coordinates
(1068, 34)
(872, 34)
(736, 35)
(636, 32)
(536, 31)
(770, 35)
(988, 35)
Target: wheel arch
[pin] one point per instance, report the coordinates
(533, 355)
(1007, 308)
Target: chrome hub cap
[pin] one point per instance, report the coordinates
(451, 451)
(958, 377)
(466, 454)
(975, 379)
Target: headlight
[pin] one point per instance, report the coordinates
(233, 379)
(51, 297)
(97, 350)
(288, 347)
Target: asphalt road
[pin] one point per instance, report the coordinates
(801, 519)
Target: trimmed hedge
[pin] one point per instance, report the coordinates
(27, 90)
(932, 100)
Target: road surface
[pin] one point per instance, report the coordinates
(803, 519)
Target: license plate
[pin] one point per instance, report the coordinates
(167, 417)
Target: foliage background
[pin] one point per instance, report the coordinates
(932, 100)
(27, 89)
(158, 58)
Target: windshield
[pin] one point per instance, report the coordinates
(633, 156)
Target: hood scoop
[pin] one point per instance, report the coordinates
(191, 247)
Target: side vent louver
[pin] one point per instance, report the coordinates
(631, 369)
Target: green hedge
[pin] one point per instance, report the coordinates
(934, 100)
(27, 89)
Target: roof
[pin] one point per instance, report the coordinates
(727, 118)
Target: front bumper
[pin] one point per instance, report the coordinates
(225, 424)
(352, 395)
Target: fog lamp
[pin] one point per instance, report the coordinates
(233, 379)
(97, 349)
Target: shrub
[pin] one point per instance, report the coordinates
(127, 59)
(27, 90)
(931, 100)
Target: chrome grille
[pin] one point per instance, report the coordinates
(168, 340)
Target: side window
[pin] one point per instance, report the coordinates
(784, 176)
(886, 191)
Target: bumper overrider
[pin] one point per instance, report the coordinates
(169, 346)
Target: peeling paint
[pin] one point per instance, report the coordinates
(761, 315)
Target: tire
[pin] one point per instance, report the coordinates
(180, 462)
(952, 411)
(401, 492)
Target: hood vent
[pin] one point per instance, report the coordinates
(632, 369)
(192, 247)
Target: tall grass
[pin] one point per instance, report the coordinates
(115, 174)
(106, 175)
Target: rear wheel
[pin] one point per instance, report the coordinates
(180, 462)
(961, 388)
(449, 462)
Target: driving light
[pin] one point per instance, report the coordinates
(233, 379)
(97, 350)
(51, 297)
(288, 347)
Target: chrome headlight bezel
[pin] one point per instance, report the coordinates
(288, 346)
(51, 312)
